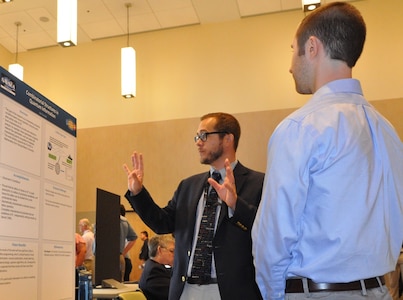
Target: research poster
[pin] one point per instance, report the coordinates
(37, 195)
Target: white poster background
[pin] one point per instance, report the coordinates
(57, 212)
(18, 270)
(57, 284)
(20, 137)
(19, 201)
(37, 181)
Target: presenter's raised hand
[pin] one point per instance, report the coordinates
(136, 175)
(227, 190)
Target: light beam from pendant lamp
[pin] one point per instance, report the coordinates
(67, 22)
(128, 66)
(16, 69)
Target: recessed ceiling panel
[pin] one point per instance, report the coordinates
(164, 5)
(256, 7)
(92, 11)
(37, 39)
(106, 28)
(108, 18)
(43, 18)
(177, 17)
(291, 4)
(144, 22)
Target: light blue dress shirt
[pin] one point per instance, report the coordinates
(332, 202)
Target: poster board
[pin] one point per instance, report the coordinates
(37, 194)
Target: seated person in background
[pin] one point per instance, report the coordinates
(156, 276)
(81, 249)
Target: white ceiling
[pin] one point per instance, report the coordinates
(98, 19)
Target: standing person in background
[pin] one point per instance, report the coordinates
(81, 249)
(230, 273)
(143, 256)
(157, 273)
(88, 236)
(330, 223)
(127, 239)
(394, 278)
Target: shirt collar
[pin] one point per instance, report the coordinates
(222, 171)
(347, 85)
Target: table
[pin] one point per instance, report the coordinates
(109, 293)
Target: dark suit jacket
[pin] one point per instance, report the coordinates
(232, 244)
(144, 251)
(154, 280)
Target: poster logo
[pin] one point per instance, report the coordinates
(7, 84)
(71, 125)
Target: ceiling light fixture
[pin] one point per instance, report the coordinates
(310, 5)
(128, 65)
(67, 22)
(16, 69)
(6, 1)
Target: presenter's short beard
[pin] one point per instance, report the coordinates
(212, 156)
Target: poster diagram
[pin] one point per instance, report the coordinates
(59, 156)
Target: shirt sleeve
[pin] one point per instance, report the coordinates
(131, 234)
(276, 227)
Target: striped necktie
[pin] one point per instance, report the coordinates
(201, 268)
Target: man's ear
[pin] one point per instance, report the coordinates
(312, 46)
(229, 138)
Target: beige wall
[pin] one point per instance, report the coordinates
(239, 66)
(170, 155)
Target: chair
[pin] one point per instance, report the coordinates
(137, 295)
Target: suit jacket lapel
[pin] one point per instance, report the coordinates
(197, 191)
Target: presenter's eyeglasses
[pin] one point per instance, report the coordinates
(203, 135)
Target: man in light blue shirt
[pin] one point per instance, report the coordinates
(330, 222)
(127, 239)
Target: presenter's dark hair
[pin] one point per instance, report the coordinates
(341, 29)
(226, 123)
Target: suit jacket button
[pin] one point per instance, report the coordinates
(183, 278)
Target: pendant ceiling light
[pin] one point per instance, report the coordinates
(309, 5)
(67, 22)
(16, 69)
(128, 67)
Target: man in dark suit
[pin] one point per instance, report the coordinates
(232, 271)
(156, 276)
